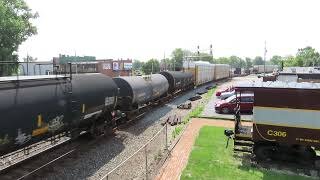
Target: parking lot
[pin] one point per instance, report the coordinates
(209, 110)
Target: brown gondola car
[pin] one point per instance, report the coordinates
(286, 121)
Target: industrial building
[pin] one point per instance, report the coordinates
(89, 64)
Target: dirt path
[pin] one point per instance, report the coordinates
(179, 156)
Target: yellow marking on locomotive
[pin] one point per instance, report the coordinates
(39, 120)
(40, 131)
(83, 108)
(276, 133)
(286, 125)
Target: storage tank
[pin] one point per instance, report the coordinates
(178, 80)
(159, 85)
(133, 91)
(35, 107)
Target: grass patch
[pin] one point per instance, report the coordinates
(177, 130)
(210, 159)
(223, 118)
(196, 112)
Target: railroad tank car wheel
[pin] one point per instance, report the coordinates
(264, 152)
(107, 131)
(225, 110)
(74, 134)
(95, 130)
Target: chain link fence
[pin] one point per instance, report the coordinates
(144, 163)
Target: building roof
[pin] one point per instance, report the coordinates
(21, 78)
(301, 70)
(283, 94)
(278, 84)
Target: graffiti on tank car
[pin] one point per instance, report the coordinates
(141, 94)
(4, 140)
(22, 138)
(56, 123)
(108, 101)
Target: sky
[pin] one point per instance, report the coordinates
(144, 29)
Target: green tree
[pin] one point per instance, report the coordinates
(15, 28)
(290, 61)
(236, 62)
(29, 59)
(275, 60)
(151, 66)
(136, 65)
(307, 56)
(248, 62)
(258, 60)
(222, 60)
(177, 57)
(206, 57)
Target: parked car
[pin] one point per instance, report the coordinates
(228, 105)
(219, 92)
(225, 95)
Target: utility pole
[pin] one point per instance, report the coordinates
(211, 52)
(152, 67)
(165, 63)
(265, 54)
(27, 64)
(198, 52)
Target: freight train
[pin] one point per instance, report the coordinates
(34, 108)
(258, 69)
(205, 72)
(285, 124)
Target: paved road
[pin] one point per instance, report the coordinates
(209, 108)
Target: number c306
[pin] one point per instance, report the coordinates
(276, 133)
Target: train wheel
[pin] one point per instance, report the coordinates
(308, 156)
(264, 152)
(95, 131)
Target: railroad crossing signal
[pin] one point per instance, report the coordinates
(198, 50)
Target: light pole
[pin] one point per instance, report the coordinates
(265, 54)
